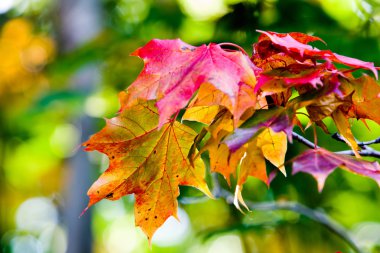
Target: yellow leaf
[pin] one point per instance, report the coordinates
(203, 114)
(274, 146)
(221, 159)
(253, 164)
(344, 129)
(208, 95)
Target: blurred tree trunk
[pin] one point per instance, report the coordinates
(78, 22)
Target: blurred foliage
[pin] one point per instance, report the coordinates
(38, 108)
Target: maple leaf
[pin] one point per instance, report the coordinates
(273, 145)
(320, 163)
(202, 114)
(253, 164)
(277, 118)
(174, 71)
(282, 78)
(344, 128)
(146, 161)
(365, 97)
(210, 96)
(221, 159)
(323, 106)
(301, 50)
(245, 123)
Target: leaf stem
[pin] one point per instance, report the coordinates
(233, 45)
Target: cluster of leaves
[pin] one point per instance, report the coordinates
(247, 107)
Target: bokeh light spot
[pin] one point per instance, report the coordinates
(35, 214)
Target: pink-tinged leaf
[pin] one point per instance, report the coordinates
(287, 41)
(304, 51)
(320, 163)
(174, 70)
(278, 119)
(300, 37)
(356, 63)
(292, 75)
(241, 136)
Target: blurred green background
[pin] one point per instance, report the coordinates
(62, 64)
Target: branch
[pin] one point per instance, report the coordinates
(367, 151)
(365, 143)
(315, 215)
(362, 144)
(303, 140)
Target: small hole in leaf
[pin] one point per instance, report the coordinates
(110, 195)
(155, 217)
(177, 176)
(149, 209)
(146, 219)
(113, 157)
(155, 151)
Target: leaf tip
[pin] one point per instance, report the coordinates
(84, 211)
(282, 169)
(238, 199)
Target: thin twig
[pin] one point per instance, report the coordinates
(315, 215)
(366, 152)
(304, 140)
(365, 143)
(362, 144)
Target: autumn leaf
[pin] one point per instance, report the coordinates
(301, 50)
(221, 159)
(320, 163)
(244, 122)
(282, 78)
(146, 161)
(279, 119)
(210, 96)
(174, 71)
(365, 98)
(344, 128)
(253, 164)
(202, 114)
(267, 145)
(323, 106)
(273, 145)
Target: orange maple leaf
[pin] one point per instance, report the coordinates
(146, 161)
